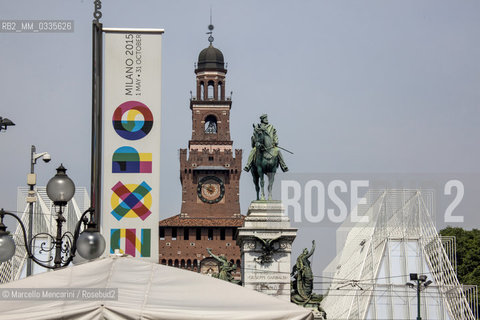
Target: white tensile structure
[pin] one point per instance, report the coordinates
(369, 276)
(43, 221)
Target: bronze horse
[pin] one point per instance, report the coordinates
(265, 163)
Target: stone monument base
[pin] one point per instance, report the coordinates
(265, 241)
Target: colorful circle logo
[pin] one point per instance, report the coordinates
(132, 120)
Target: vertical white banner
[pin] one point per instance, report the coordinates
(131, 145)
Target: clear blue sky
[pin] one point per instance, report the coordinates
(351, 86)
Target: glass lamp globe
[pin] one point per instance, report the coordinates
(90, 244)
(78, 260)
(7, 246)
(60, 189)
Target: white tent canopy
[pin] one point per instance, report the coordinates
(146, 291)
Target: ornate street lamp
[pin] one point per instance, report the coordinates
(90, 243)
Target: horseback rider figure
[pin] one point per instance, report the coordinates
(272, 132)
(265, 156)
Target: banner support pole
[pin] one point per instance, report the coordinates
(96, 152)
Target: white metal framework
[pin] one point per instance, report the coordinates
(43, 221)
(372, 269)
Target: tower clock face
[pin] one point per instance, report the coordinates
(210, 189)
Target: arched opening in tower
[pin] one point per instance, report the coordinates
(220, 91)
(211, 124)
(202, 91)
(211, 89)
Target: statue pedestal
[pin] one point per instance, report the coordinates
(265, 241)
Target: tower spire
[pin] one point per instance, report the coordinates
(210, 28)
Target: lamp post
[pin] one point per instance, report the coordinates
(4, 123)
(31, 198)
(90, 243)
(421, 280)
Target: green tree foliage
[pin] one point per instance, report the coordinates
(468, 254)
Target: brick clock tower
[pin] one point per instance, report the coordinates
(210, 174)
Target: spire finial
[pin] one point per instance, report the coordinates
(97, 14)
(210, 28)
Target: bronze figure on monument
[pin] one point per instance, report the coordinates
(268, 249)
(302, 285)
(225, 268)
(265, 156)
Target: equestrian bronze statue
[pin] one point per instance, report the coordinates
(265, 156)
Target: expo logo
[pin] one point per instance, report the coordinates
(315, 195)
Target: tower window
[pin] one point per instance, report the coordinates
(210, 158)
(220, 91)
(234, 233)
(210, 234)
(185, 234)
(211, 89)
(211, 124)
(162, 233)
(174, 233)
(222, 234)
(202, 91)
(199, 234)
